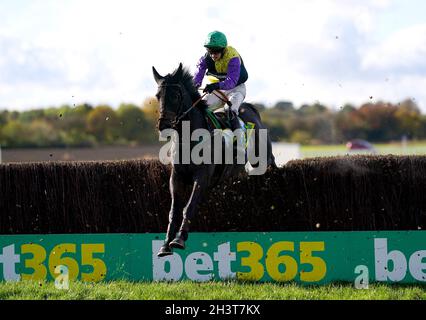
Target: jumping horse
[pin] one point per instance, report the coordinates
(179, 101)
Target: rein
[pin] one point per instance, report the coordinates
(223, 97)
(179, 117)
(183, 115)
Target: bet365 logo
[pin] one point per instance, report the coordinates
(392, 265)
(64, 262)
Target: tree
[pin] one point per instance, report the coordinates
(348, 108)
(321, 127)
(102, 122)
(350, 125)
(72, 126)
(422, 129)
(151, 108)
(43, 134)
(284, 106)
(409, 119)
(3, 117)
(316, 108)
(301, 136)
(381, 123)
(134, 127)
(16, 134)
(53, 114)
(277, 130)
(30, 115)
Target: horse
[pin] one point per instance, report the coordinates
(180, 100)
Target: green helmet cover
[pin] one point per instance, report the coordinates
(216, 39)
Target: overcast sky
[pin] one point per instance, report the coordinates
(72, 51)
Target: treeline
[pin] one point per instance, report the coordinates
(317, 124)
(80, 126)
(86, 125)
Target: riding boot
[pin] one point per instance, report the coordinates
(235, 125)
(233, 119)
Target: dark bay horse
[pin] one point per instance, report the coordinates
(176, 95)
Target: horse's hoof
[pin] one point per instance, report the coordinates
(178, 243)
(164, 251)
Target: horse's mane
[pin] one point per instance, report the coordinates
(188, 83)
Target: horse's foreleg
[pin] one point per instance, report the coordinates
(176, 188)
(173, 215)
(192, 207)
(198, 191)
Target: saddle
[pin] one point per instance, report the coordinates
(220, 120)
(217, 120)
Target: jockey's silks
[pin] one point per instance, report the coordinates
(229, 69)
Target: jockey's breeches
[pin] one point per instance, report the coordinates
(235, 95)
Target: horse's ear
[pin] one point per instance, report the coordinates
(177, 75)
(157, 76)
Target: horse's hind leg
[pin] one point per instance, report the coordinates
(260, 148)
(270, 159)
(249, 115)
(176, 189)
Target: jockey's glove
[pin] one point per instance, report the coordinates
(211, 87)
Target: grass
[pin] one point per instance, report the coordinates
(412, 148)
(186, 290)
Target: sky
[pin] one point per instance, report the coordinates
(55, 52)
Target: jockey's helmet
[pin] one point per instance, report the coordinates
(216, 39)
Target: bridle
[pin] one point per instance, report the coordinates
(181, 115)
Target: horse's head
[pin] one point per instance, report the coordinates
(172, 97)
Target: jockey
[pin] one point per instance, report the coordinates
(224, 63)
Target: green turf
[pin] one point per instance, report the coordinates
(212, 290)
(411, 148)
